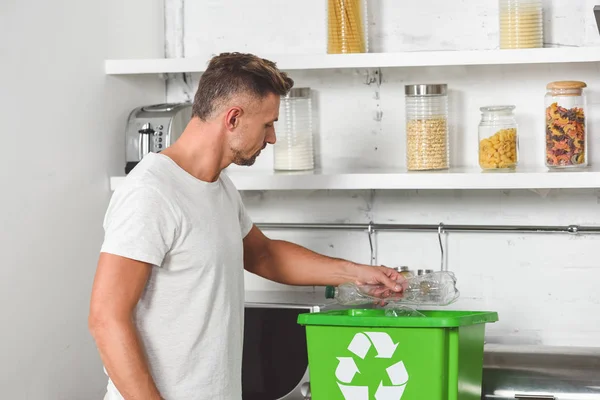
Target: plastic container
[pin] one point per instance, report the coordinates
(364, 354)
(433, 288)
(406, 272)
(498, 141)
(347, 27)
(521, 24)
(566, 125)
(293, 150)
(427, 127)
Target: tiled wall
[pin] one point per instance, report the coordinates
(543, 286)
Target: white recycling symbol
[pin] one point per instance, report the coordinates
(347, 369)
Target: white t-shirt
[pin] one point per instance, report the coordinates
(190, 316)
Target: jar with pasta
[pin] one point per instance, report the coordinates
(427, 127)
(347, 26)
(521, 24)
(566, 125)
(498, 144)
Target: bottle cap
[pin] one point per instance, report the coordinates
(420, 272)
(403, 268)
(428, 271)
(329, 292)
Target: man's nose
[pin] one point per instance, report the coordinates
(271, 138)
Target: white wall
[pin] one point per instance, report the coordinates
(62, 122)
(542, 286)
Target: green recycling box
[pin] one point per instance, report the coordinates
(362, 354)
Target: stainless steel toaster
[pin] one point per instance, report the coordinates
(153, 128)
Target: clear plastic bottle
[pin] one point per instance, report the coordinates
(406, 273)
(436, 289)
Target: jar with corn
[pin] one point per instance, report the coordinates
(498, 142)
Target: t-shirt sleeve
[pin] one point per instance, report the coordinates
(246, 223)
(139, 224)
(245, 220)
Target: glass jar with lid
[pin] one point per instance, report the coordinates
(347, 26)
(293, 149)
(427, 127)
(498, 142)
(566, 125)
(521, 24)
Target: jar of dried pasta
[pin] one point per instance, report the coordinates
(498, 149)
(521, 24)
(347, 26)
(566, 125)
(427, 127)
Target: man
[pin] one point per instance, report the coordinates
(167, 303)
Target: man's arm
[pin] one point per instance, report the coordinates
(288, 263)
(118, 285)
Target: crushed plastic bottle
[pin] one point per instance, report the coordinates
(396, 310)
(431, 289)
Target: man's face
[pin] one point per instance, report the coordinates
(256, 130)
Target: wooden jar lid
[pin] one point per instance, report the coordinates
(566, 85)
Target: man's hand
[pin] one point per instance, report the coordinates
(392, 282)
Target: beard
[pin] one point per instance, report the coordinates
(240, 159)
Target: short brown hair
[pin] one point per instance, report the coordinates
(229, 74)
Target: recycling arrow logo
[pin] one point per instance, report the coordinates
(347, 368)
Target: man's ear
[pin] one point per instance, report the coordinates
(232, 117)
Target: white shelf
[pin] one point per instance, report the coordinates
(393, 179)
(372, 60)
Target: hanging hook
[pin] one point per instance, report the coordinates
(440, 231)
(371, 232)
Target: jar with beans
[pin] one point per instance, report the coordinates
(427, 127)
(498, 147)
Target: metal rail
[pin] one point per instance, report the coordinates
(375, 227)
(372, 228)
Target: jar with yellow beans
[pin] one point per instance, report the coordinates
(498, 142)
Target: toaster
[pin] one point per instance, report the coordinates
(153, 128)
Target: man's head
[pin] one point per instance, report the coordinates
(241, 93)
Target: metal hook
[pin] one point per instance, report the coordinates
(440, 231)
(371, 232)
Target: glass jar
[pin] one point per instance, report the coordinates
(427, 127)
(566, 125)
(498, 143)
(521, 24)
(293, 149)
(346, 26)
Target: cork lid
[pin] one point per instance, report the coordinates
(566, 85)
